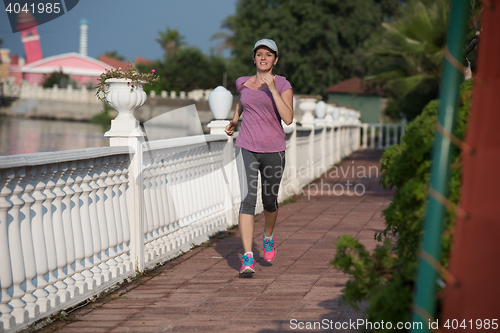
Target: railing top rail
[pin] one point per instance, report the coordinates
(35, 159)
(184, 141)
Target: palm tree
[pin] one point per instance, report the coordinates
(413, 47)
(227, 38)
(170, 40)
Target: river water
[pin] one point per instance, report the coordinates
(25, 136)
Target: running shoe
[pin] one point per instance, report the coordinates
(269, 248)
(247, 265)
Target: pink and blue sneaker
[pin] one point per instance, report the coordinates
(247, 264)
(269, 248)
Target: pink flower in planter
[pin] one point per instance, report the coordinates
(153, 70)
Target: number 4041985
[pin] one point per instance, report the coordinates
(45, 8)
(479, 324)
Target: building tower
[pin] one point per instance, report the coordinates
(26, 23)
(84, 26)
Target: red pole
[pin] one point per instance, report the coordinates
(475, 257)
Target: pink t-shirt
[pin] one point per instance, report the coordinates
(261, 129)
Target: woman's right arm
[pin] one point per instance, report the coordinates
(232, 123)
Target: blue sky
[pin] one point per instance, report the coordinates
(128, 26)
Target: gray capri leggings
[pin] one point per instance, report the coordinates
(271, 166)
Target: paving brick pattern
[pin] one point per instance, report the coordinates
(201, 291)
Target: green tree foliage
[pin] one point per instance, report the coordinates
(318, 40)
(114, 55)
(407, 58)
(187, 69)
(58, 78)
(1, 42)
(226, 37)
(170, 41)
(412, 47)
(386, 277)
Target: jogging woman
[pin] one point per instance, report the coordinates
(265, 100)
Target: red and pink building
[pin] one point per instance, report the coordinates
(81, 68)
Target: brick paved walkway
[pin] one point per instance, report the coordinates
(201, 290)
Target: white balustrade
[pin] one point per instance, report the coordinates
(378, 136)
(84, 220)
(82, 94)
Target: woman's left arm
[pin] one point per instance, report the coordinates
(284, 102)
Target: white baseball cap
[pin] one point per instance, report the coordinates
(266, 42)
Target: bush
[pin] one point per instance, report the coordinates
(62, 80)
(386, 277)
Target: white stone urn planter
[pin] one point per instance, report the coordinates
(307, 105)
(125, 97)
(320, 110)
(220, 101)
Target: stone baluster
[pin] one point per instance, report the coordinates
(16, 251)
(68, 225)
(196, 193)
(206, 170)
(163, 203)
(159, 231)
(76, 178)
(124, 204)
(101, 216)
(380, 136)
(372, 136)
(211, 182)
(48, 231)
(27, 244)
(203, 171)
(58, 229)
(109, 209)
(338, 139)
(170, 208)
(183, 197)
(85, 219)
(198, 211)
(148, 223)
(191, 190)
(116, 163)
(387, 135)
(174, 190)
(188, 193)
(6, 282)
(100, 276)
(153, 188)
(365, 136)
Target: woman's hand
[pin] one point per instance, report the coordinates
(269, 80)
(230, 128)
